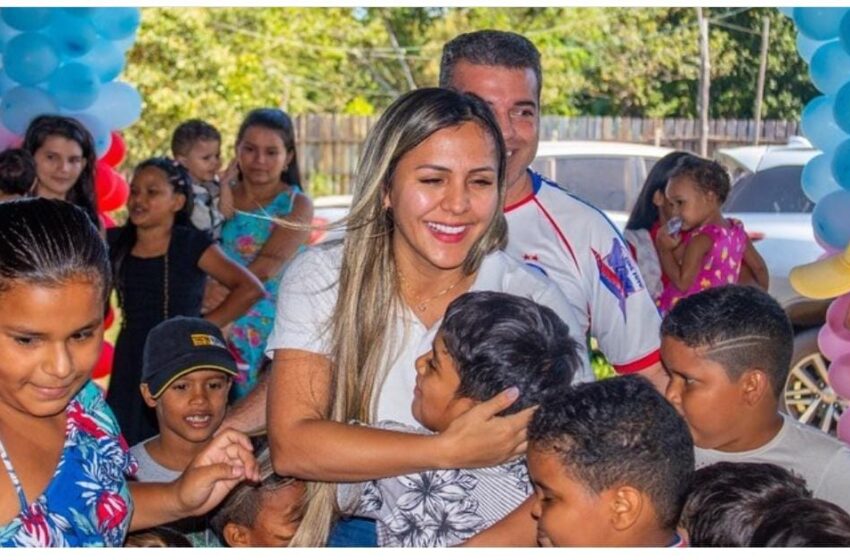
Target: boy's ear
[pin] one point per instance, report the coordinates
(181, 160)
(236, 535)
(626, 504)
(755, 385)
(147, 396)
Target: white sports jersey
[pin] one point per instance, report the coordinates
(575, 245)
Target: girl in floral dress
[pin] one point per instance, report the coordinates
(710, 249)
(64, 461)
(267, 186)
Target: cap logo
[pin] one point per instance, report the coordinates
(206, 340)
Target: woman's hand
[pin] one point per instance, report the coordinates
(225, 462)
(229, 179)
(479, 438)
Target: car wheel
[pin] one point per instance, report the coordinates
(807, 395)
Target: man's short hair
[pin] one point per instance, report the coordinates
(619, 431)
(803, 522)
(189, 132)
(490, 47)
(728, 500)
(499, 340)
(741, 327)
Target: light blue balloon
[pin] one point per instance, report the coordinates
(841, 166)
(7, 32)
(72, 36)
(79, 12)
(6, 83)
(807, 47)
(844, 32)
(21, 105)
(99, 130)
(820, 24)
(126, 43)
(27, 19)
(830, 67)
(817, 179)
(116, 23)
(119, 105)
(106, 59)
(74, 86)
(829, 218)
(30, 58)
(841, 108)
(819, 126)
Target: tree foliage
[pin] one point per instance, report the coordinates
(218, 63)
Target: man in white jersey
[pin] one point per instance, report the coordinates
(551, 230)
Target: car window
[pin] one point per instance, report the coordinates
(775, 191)
(603, 181)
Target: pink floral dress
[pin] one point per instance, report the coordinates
(721, 265)
(87, 502)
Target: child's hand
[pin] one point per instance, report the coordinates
(214, 294)
(225, 462)
(479, 438)
(666, 242)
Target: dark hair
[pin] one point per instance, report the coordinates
(728, 500)
(17, 172)
(619, 431)
(644, 212)
(279, 122)
(49, 242)
(45, 126)
(244, 502)
(490, 47)
(189, 132)
(499, 340)
(125, 238)
(709, 175)
(742, 327)
(157, 537)
(803, 522)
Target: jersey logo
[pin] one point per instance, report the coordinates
(618, 273)
(532, 261)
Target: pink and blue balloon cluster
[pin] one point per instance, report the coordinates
(823, 41)
(66, 61)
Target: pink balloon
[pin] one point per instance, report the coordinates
(844, 427)
(834, 337)
(839, 376)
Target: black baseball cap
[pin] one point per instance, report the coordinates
(179, 346)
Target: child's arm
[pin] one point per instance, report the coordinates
(283, 241)
(226, 461)
(519, 528)
(755, 263)
(682, 275)
(245, 288)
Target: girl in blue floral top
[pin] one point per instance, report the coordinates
(267, 186)
(64, 461)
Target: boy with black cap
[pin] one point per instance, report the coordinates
(186, 377)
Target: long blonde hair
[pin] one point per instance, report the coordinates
(368, 282)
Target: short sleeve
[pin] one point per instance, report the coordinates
(96, 418)
(197, 242)
(305, 302)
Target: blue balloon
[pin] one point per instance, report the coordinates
(100, 132)
(72, 36)
(74, 86)
(106, 59)
(820, 24)
(829, 218)
(119, 105)
(27, 19)
(30, 58)
(807, 47)
(6, 83)
(7, 32)
(79, 12)
(126, 43)
(786, 11)
(830, 67)
(817, 179)
(841, 166)
(116, 23)
(819, 126)
(841, 108)
(844, 32)
(21, 105)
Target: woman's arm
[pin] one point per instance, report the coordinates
(682, 275)
(226, 461)
(755, 263)
(245, 288)
(283, 242)
(305, 444)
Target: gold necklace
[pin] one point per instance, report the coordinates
(422, 305)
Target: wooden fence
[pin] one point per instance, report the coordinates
(329, 145)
